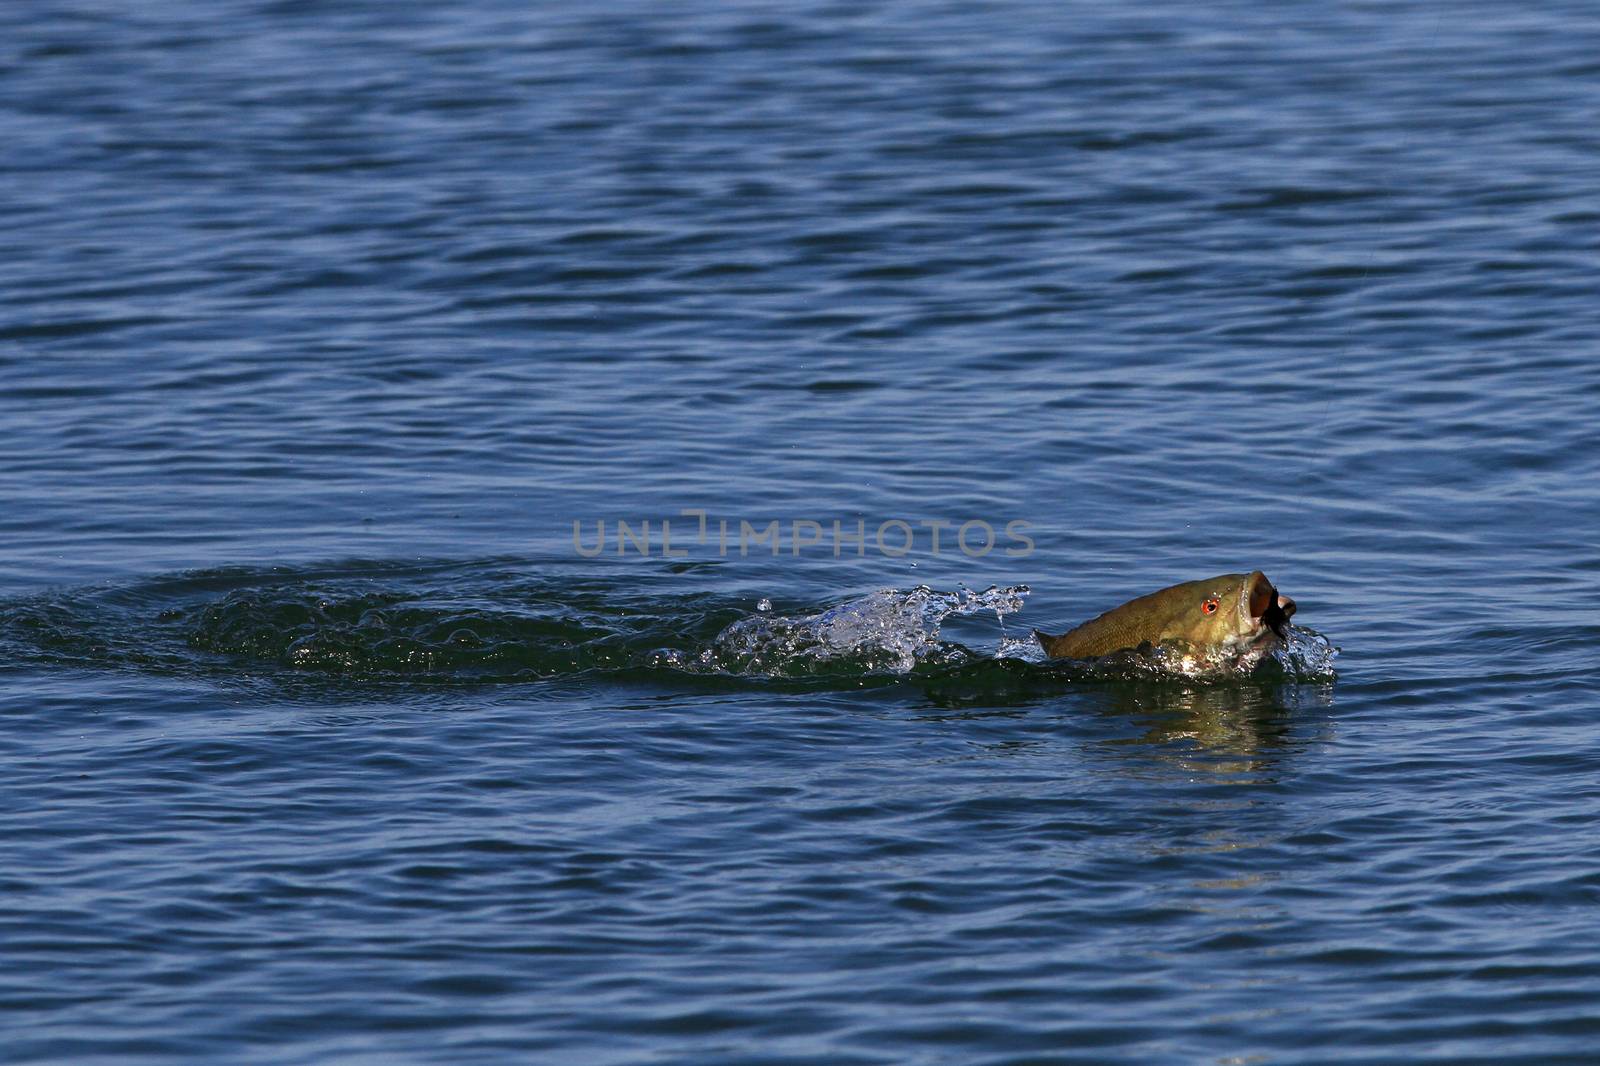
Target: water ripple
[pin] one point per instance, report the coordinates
(340, 316)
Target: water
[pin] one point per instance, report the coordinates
(327, 741)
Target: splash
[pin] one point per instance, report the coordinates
(889, 631)
(1308, 656)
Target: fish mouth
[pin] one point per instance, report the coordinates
(1268, 607)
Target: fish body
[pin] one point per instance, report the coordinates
(1230, 613)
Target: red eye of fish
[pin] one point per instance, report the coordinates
(1209, 607)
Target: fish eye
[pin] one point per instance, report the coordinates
(1210, 606)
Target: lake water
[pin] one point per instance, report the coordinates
(326, 740)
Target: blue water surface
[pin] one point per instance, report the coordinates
(326, 739)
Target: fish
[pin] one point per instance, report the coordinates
(1230, 614)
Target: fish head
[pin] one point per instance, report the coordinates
(1232, 614)
(1237, 612)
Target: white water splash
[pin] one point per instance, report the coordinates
(1027, 649)
(888, 631)
(1308, 656)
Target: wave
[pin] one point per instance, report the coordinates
(466, 624)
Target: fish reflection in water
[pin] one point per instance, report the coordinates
(1227, 730)
(1234, 732)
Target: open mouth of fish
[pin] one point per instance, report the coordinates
(1270, 609)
